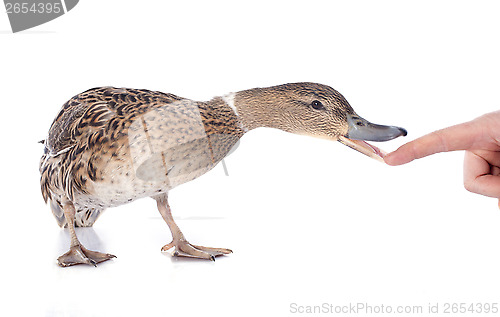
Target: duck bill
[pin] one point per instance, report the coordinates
(361, 130)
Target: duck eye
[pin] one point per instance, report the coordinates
(317, 105)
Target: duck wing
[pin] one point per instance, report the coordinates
(95, 109)
(85, 124)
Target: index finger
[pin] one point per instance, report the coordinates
(454, 138)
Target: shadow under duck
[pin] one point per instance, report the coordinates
(110, 146)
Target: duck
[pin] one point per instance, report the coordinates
(110, 146)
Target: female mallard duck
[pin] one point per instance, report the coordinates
(109, 146)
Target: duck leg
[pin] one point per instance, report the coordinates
(77, 253)
(181, 246)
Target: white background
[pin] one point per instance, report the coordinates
(310, 221)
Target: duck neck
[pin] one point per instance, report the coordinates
(255, 108)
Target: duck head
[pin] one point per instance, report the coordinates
(315, 110)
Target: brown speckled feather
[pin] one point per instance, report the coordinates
(104, 138)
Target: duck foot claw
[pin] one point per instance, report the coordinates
(186, 249)
(80, 255)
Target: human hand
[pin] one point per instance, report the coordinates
(480, 138)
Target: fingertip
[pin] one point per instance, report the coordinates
(389, 159)
(399, 157)
(393, 159)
